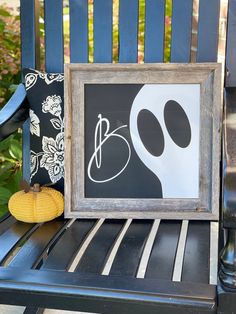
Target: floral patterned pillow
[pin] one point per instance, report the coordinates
(45, 93)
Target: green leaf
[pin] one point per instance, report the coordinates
(13, 88)
(14, 181)
(5, 144)
(15, 150)
(4, 12)
(3, 209)
(6, 171)
(5, 194)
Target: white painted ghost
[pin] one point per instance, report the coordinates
(177, 168)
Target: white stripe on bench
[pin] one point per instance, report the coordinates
(85, 245)
(214, 253)
(180, 252)
(112, 255)
(147, 249)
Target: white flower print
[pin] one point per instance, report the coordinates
(52, 104)
(30, 80)
(34, 123)
(53, 157)
(50, 77)
(34, 163)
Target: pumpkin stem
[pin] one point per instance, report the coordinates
(36, 187)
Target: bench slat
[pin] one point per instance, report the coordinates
(69, 242)
(54, 43)
(179, 257)
(33, 310)
(148, 249)
(6, 222)
(128, 31)
(154, 31)
(62, 253)
(29, 11)
(112, 254)
(208, 25)
(129, 254)
(32, 251)
(161, 262)
(181, 30)
(17, 233)
(197, 252)
(103, 31)
(94, 257)
(78, 31)
(30, 58)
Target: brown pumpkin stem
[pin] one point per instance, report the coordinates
(36, 187)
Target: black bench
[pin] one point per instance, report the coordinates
(105, 256)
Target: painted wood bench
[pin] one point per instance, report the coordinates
(122, 266)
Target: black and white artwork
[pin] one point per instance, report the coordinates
(141, 140)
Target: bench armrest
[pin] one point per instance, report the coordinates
(227, 273)
(14, 113)
(229, 159)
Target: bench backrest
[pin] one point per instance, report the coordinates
(207, 43)
(181, 37)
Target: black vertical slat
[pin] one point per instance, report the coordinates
(31, 253)
(70, 243)
(16, 234)
(128, 31)
(6, 222)
(30, 57)
(231, 45)
(103, 31)
(130, 251)
(94, 258)
(154, 31)
(162, 258)
(181, 30)
(54, 44)
(78, 31)
(208, 29)
(196, 255)
(33, 310)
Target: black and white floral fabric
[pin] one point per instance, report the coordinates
(45, 95)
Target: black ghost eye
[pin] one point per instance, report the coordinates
(150, 132)
(177, 123)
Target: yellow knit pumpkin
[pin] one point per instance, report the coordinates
(38, 204)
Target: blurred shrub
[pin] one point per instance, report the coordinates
(9, 53)
(10, 168)
(10, 148)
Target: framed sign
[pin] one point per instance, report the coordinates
(142, 141)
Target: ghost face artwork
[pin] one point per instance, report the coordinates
(142, 140)
(171, 151)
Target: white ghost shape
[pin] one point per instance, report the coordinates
(177, 168)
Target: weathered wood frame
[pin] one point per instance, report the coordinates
(208, 75)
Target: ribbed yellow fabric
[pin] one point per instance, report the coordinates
(36, 206)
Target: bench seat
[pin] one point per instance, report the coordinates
(118, 266)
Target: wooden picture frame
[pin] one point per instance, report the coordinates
(199, 89)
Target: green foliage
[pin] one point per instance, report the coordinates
(10, 148)
(9, 52)
(10, 168)
(168, 30)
